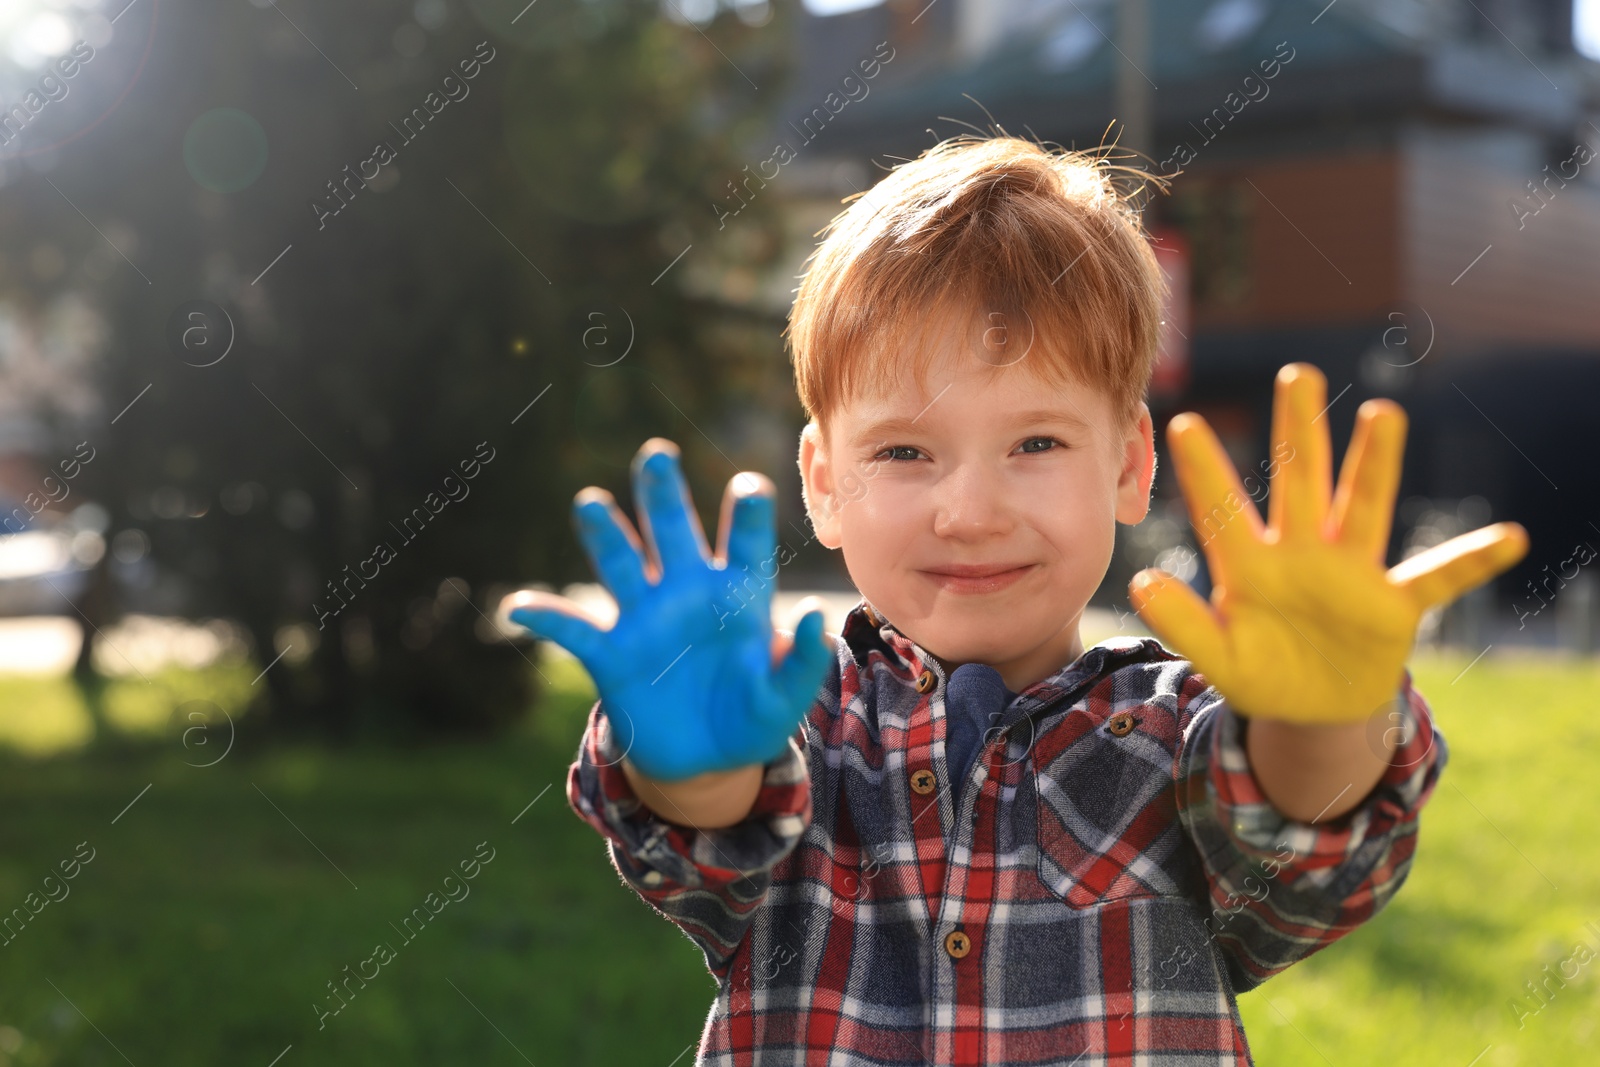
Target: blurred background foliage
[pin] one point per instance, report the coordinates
(395, 337)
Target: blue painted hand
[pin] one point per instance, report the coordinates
(691, 676)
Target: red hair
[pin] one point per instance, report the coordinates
(983, 226)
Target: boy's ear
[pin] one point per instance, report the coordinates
(816, 486)
(1138, 469)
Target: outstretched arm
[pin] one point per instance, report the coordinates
(1307, 754)
(692, 764)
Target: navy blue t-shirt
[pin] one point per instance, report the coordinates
(973, 699)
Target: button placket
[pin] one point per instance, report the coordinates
(924, 780)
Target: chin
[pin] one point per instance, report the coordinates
(966, 644)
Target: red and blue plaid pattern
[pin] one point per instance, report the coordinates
(1114, 877)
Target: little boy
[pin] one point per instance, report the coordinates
(951, 834)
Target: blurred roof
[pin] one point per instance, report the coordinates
(1055, 64)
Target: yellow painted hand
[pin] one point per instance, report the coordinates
(1304, 623)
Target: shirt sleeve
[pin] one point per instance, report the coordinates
(708, 882)
(1280, 889)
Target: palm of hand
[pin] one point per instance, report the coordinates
(690, 650)
(1305, 623)
(691, 676)
(1323, 628)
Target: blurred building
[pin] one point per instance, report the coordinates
(1403, 192)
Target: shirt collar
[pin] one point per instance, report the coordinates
(865, 629)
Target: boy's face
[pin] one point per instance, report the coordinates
(994, 470)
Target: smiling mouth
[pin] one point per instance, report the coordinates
(977, 578)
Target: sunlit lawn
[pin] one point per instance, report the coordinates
(219, 906)
(1506, 877)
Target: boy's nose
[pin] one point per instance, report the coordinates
(970, 501)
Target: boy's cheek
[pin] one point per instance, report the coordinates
(852, 487)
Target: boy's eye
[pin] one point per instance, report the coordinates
(898, 453)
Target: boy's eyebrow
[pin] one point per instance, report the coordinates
(902, 424)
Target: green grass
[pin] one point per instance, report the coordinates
(207, 925)
(1506, 875)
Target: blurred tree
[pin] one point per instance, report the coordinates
(519, 241)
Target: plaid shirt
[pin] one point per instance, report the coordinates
(1113, 877)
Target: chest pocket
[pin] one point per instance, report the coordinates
(1107, 814)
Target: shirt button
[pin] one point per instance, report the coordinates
(1121, 723)
(926, 681)
(922, 781)
(957, 943)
